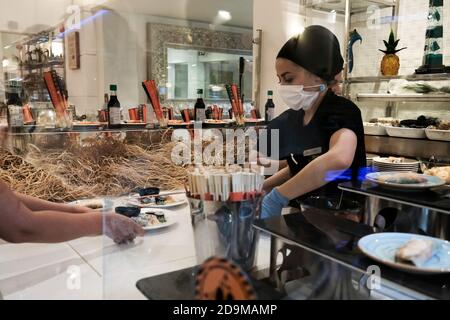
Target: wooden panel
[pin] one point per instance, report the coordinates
(73, 50)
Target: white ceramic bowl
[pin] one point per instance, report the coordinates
(375, 130)
(402, 132)
(440, 135)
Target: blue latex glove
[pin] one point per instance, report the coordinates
(273, 203)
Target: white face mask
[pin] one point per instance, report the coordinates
(297, 98)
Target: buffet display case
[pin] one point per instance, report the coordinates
(154, 158)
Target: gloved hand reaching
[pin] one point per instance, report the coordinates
(273, 203)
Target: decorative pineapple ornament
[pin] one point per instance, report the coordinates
(391, 62)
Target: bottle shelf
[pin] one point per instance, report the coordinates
(43, 65)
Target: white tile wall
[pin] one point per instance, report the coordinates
(366, 55)
(85, 105)
(83, 83)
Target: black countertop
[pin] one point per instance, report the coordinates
(438, 200)
(180, 285)
(336, 239)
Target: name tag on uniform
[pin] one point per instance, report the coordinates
(312, 152)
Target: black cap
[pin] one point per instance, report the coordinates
(317, 50)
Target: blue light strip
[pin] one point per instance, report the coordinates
(84, 22)
(347, 175)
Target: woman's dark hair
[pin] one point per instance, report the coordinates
(316, 50)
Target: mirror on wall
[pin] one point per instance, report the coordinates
(10, 59)
(190, 69)
(183, 59)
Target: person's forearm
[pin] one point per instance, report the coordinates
(54, 227)
(283, 164)
(20, 224)
(315, 175)
(36, 204)
(277, 179)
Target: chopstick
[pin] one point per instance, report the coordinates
(163, 195)
(225, 183)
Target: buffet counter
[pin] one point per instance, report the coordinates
(320, 260)
(405, 147)
(106, 270)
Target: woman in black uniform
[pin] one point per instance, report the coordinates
(321, 135)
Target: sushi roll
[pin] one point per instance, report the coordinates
(415, 251)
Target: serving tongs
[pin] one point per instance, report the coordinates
(58, 93)
(151, 90)
(236, 102)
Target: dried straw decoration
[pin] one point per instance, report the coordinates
(98, 167)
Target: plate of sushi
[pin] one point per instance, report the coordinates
(155, 219)
(155, 198)
(405, 180)
(157, 202)
(148, 219)
(442, 172)
(408, 252)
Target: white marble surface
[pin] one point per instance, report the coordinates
(106, 270)
(40, 271)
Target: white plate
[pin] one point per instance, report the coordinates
(369, 158)
(171, 219)
(432, 181)
(440, 135)
(381, 164)
(396, 166)
(375, 130)
(382, 247)
(406, 162)
(391, 168)
(176, 203)
(378, 169)
(401, 132)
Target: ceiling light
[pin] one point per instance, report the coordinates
(224, 15)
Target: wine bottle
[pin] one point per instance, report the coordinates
(200, 107)
(114, 120)
(270, 107)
